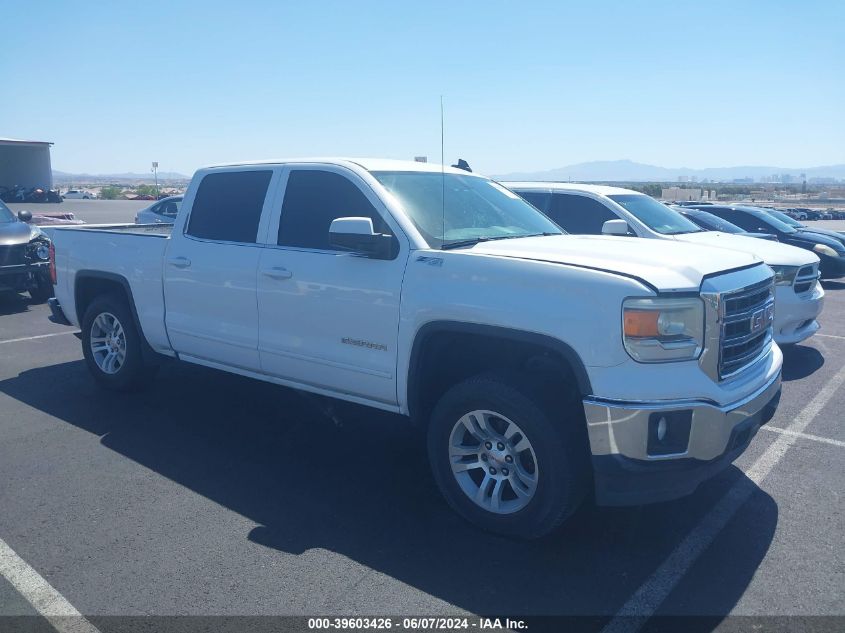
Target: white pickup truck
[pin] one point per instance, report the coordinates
(544, 367)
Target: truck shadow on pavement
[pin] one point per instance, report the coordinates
(364, 490)
(13, 303)
(800, 361)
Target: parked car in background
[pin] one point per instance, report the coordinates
(834, 235)
(162, 212)
(543, 367)
(24, 256)
(597, 209)
(78, 194)
(830, 249)
(796, 214)
(710, 222)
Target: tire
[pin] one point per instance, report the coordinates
(42, 291)
(126, 372)
(557, 448)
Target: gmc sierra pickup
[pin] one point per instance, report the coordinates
(544, 367)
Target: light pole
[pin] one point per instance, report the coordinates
(155, 174)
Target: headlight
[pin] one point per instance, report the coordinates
(824, 249)
(785, 275)
(657, 330)
(39, 250)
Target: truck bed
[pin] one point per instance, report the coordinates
(115, 251)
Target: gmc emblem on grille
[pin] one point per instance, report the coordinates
(761, 318)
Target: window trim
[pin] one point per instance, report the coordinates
(266, 208)
(272, 232)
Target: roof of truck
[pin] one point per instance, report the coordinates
(370, 164)
(602, 190)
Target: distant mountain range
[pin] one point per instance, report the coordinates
(63, 176)
(629, 171)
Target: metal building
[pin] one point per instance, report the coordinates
(25, 163)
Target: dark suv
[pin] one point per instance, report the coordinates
(830, 251)
(24, 256)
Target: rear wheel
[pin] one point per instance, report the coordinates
(112, 345)
(502, 461)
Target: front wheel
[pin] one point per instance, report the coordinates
(501, 458)
(112, 345)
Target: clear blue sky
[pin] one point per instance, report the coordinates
(527, 85)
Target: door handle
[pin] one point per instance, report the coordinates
(278, 273)
(179, 262)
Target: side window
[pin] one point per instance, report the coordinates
(168, 209)
(314, 198)
(538, 199)
(228, 206)
(744, 221)
(579, 214)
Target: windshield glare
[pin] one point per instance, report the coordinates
(656, 216)
(6, 214)
(447, 208)
(784, 218)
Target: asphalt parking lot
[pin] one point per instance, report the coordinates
(211, 494)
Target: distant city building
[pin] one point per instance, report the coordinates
(682, 194)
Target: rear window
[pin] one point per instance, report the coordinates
(228, 204)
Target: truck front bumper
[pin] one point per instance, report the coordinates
(648, 452)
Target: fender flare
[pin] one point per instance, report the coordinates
(150, 355)
(459, 327)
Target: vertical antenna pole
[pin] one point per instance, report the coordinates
(442, 172)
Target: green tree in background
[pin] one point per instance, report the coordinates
(110, 193)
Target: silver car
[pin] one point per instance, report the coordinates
(162, 212)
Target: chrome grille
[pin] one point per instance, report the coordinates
(805, 279)
(746, 320)
(13, 255)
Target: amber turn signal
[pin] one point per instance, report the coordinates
(641, 323)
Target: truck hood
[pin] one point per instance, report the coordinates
(12, 233)
(773, 253)
(666, 265)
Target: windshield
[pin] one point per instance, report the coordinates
(451, 208)
(712, 222)
(6, 214)
(784, 218)
(656, 216)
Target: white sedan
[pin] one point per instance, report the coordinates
(162, 212)
(78, 194)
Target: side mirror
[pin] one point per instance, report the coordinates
(24, 216)
(614, 227)
(357, 235)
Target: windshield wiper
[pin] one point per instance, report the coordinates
(459, 243)
(475, 240)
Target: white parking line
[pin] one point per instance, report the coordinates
(645, 601)
(841, 338)
(806, 436)
(30, 338)
(47, 601)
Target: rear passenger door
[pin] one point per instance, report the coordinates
(329, 319)
(210, 269)
(579, 214)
